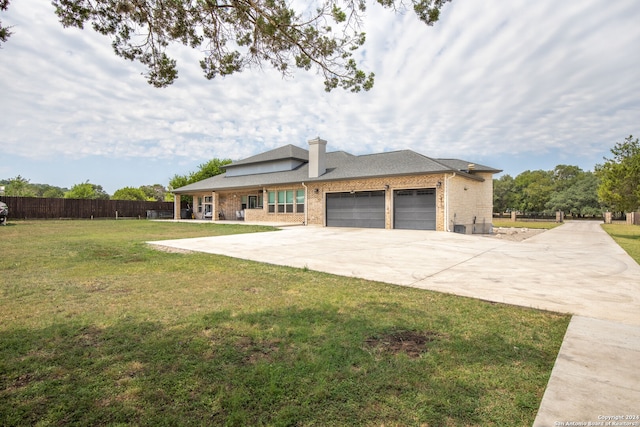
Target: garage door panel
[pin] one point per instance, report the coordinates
(362, 209)
(415, 209)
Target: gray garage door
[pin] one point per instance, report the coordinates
(363, 209)
(415, 209)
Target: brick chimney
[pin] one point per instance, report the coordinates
(317, 151)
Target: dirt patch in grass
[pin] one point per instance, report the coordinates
(411, 343)
(258, 351)
(169, 249)
(21, 381)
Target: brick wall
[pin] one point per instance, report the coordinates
(316, 199)
(263, 215)
(470, 202)
(467, 199)
(230, 202)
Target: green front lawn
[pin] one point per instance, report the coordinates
(627, 236)
(98, 328)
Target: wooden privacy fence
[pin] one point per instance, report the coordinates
(36, 207)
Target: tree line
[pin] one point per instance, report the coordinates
(22, 187)
(613, 186)
(565, 188)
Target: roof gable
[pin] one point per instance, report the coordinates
(286, 152)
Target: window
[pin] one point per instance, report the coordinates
(281, 198)
(283, 201)
(244, 202)
(271, 201)
(260, 204)
(199, 204)
(299, 201)
(289, 202)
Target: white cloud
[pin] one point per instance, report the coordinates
(491, 78)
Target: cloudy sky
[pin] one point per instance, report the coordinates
(514, 85)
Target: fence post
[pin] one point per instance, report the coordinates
(514, 216)
(559, 216)
(607, 217)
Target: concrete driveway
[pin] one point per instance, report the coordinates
(576, 268)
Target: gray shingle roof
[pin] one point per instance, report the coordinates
(286, 152)
(463, 165)
(340, 165)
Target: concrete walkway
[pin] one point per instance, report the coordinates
(576, 268)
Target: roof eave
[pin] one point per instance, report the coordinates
(233, 165)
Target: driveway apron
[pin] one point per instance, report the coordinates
(575, 268)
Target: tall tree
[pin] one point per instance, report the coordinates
(504, 195)
(564, 176)
(49, 191)
(580, 198)
(155, 192)
(129, 193)
(205, 170)
(533, 189)
(19, 187)
(211, 168)
(620, 177)
(86, 190)
(237, 34)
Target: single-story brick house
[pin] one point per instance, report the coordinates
(399, 189)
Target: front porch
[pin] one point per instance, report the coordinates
(257, 205)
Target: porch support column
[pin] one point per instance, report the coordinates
(176, 206)
(215, 206)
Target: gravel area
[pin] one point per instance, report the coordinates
(515, 234)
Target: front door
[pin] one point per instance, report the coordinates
(253, 202)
